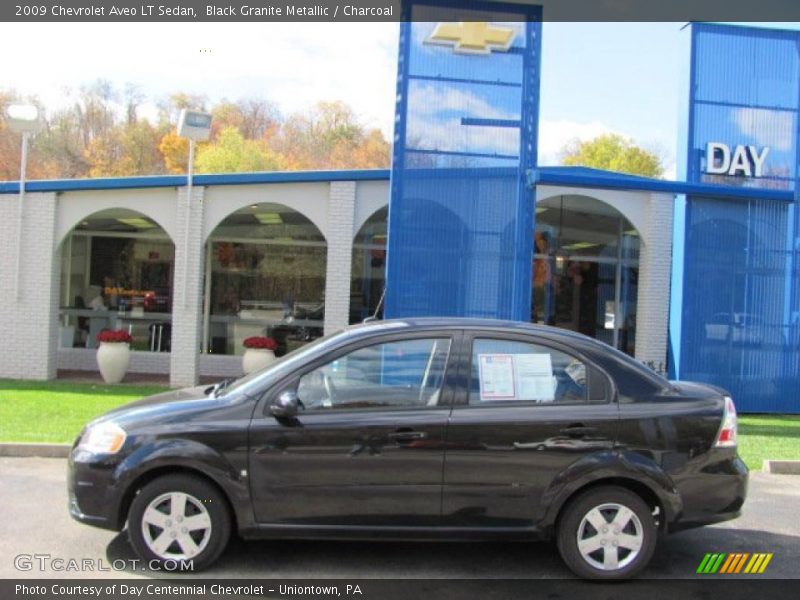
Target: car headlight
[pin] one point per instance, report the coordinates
(103, 438)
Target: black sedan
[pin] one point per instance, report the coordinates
(420, 429)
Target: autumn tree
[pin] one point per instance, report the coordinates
(175, 151)
(330, 137)
(71, 130)
(231, 153)
(612, 152)
(38, 166)
(372, 152)
(255, 118)
(129, 149)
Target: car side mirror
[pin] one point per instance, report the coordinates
(286, 405)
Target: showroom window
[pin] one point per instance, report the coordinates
(585, 270)
(265, 276)
(117, 269)
(368, 275)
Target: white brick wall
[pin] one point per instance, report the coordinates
(187, 291)
(341, 215)
(655, 262)
(29, 316)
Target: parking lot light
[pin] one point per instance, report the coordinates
(196, 127)
(23, 119)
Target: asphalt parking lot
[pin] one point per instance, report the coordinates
(35, 521)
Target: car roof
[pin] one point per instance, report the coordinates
(427, 323)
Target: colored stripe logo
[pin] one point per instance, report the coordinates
(734, 563)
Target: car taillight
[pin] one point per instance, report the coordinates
(726, 438)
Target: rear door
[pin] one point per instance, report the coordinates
(527, 409)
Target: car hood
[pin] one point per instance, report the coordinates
(167, 406)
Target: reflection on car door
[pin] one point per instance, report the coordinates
(368, 448)
(532, 410)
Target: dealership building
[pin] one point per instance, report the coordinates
(699, 277)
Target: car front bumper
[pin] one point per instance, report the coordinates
(92, 497)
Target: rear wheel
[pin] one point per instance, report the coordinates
(607, 533)
(179, 518)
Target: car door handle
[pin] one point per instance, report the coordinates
(578, 430)
(407, 436)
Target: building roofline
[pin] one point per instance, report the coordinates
(583, 177)
(166, 181)
(596, 178)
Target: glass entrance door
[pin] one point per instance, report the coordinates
(585, 270)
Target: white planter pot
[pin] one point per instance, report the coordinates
(113, 359)
(255, 359)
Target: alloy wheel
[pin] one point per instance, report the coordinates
(176, 525)
(610, 536)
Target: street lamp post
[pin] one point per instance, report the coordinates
(196, 126)
(23, 119)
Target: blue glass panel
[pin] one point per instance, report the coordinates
(738, 330)
(765, 61)
(460, 214)
(738, 324)
(774, 129)
(744, 91)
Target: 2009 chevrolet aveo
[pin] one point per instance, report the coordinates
(419, 429)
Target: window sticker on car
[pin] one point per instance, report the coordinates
(522, 377)
(497, 377)
(536, 380)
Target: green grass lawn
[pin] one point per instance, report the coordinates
(55, 411)
(768, 436)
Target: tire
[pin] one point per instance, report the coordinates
(157, 527)
(603, 507)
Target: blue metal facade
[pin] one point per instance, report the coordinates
(461, 212)
(735, 318)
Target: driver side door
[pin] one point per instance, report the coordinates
(368, 446)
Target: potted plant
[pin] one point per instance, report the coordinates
(259, 352)
(114, 354)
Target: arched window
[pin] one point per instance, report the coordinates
(586, 269)
(369, 266)
(265, 276)
(117, 268)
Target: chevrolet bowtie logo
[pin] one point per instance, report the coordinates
(472, 38)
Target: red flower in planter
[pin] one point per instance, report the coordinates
(260, 343)
(119, 336)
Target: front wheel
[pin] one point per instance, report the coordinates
(607, 533)
(179, 520)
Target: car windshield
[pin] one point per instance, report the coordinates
(254, 382)
(279, 366)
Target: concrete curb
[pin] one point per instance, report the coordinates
(782, 467)
(25, 449)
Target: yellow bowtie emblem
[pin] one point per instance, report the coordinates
(472, 37)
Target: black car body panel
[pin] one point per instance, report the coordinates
(449, 470)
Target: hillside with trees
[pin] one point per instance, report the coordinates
(102, 133)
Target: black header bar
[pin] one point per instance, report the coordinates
(239, 11)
